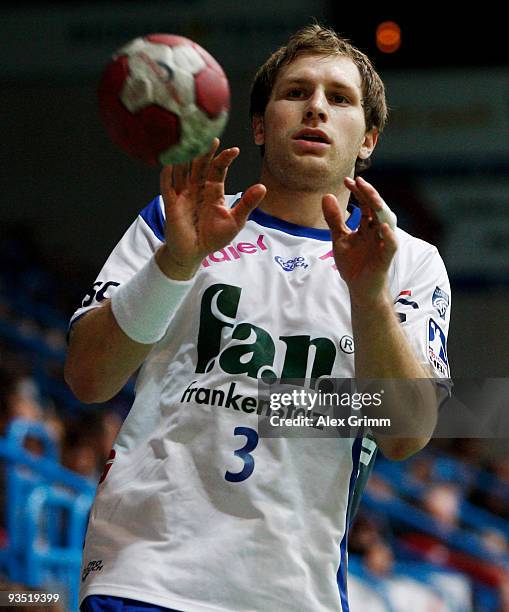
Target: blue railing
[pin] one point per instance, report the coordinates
(46, 510)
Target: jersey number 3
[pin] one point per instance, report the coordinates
(243, 453)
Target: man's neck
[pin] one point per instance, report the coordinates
(300, 207)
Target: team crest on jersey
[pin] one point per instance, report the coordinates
(290, 264)
(437, 348)
(440, 301)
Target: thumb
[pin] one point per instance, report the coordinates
(251, 198)
(334, 216)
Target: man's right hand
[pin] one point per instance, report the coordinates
(197, 220)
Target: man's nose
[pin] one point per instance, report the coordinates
(316, 107)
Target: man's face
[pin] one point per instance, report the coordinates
(314, 127)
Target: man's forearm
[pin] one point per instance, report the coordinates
(101, 357)
(383, 353)
(109, 344)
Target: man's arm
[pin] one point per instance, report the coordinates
(382, 351)
(101, 357)
(102, 354)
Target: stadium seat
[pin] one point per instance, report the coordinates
(56, 522)
(20, 480)
(47, 509)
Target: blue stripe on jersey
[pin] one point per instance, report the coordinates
(354, 219)
(356, 453)
(262, 218)
(109, 603)
(153, 216)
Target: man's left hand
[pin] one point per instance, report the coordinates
(362, 257)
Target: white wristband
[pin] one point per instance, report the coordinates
(145, 304)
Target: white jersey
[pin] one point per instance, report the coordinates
(195, 511)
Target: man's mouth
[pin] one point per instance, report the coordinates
(311, 141)
(312, 135)
(312, 138)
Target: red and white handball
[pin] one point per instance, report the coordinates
(163, 99)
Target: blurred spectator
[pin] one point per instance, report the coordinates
(434, 551)
(364, 533)
(19, 397)
(492, 489)
(421, 468)
(362, 596)
(55, 426)
(442, 502)
(380, 585)
(88, 439)
(494, 542)
(79, 456)
(379, 559)
(380, 487)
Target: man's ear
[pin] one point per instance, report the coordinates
(369, 143)
(258, 130)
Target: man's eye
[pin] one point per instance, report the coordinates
(295, 93)
(339, 99)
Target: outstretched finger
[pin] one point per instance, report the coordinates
(371, 201)
(180, 177)
(368, 218)
(388, 242)
(334, 216)
(366, 193)
(219, 166)
(200, 165)
(251, 198)
(166, 186)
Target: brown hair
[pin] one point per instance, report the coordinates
(317, 39)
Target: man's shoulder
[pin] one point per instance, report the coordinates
(408, 243)
(416, 254)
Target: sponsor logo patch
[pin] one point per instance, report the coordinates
(93, 566)
(235, 251)
(98, 291)
(437, 348)
(440, 301)
(291, 264)
(404, 298)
